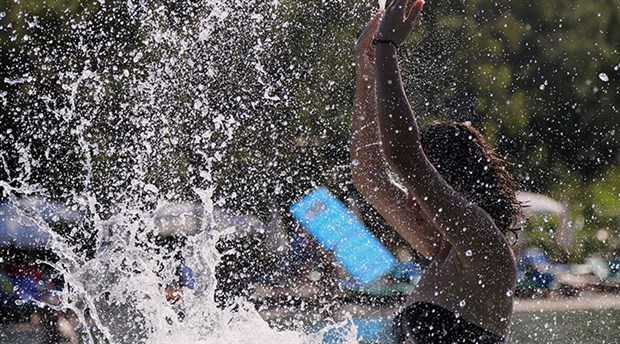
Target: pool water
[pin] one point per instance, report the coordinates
(570, 326)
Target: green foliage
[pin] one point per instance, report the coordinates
(541, 79)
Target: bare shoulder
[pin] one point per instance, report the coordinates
(481, 242)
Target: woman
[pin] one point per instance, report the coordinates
(458, 204)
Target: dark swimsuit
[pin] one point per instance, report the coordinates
(426, 323)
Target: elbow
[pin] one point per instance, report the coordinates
(367, 182)
(396, 158)
(393, 160)
(403, 158)
(356, 177)
(360, 181)
(365, 170)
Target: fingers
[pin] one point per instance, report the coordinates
(414, 12)
(400, 6)
(374, 22)
(369, 31)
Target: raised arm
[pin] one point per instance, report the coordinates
(369, 168)
(468, 228)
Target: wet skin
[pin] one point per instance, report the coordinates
(472, 270)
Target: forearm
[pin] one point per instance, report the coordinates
(397, 126)
(365, 132)
(365, 102)
(370, 170)
(368, 165)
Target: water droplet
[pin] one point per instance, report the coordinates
(314, 275)
(543, 85)
(151, 188)
(469, 253)
(509, 293)
(355, 162)
(462, 303)
(137, 57)
(603, 77)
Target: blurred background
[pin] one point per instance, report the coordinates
(130, 129)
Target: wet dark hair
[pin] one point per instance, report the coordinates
(469, 164)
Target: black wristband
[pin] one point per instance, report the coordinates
(384, 41)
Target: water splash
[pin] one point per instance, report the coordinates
(130, 120)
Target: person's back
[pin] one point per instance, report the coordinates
(473, 292)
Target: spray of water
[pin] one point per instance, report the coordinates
(146, 90)
(141, 105)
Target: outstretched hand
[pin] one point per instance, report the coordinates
(364, 50)
(397, 24)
